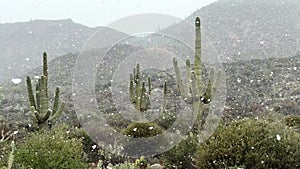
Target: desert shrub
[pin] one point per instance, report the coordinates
(142, 130)
(181, 156)
(58, 148)
(117, 121)
(252, 143)
(139, 130)
(5, 149)
(7, 135)
(293, 121)
(140, 163)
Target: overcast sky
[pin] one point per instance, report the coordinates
(93, 12)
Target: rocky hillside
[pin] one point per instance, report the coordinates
(246, 29)
(253, 87)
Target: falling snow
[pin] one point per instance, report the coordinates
(278, 137)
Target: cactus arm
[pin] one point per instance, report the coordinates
(165, 97)
(179, 80)
(58, 113)
(188, 73)
(38, 98)
(208, 93)
(143, 98)
(56, 100)
(138, 90)
(47, 115)
(30, 92)
(131, 89)
(38, 117)
(134, 75)
(149, 86)
(33, 116)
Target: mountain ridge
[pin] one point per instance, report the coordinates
(22, 43)
(244, 29)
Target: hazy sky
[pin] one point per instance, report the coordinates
(93, 12)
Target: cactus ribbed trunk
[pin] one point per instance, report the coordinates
(43, 96)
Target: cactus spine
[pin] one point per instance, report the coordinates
(194, 95)
(39, 104)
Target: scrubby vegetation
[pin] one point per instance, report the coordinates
(293, 121)
(140, 130)
(182, 155)
(252, 143)
(58, 148)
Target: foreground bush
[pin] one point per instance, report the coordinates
(181, 156)
(51, 149)
(252, 143)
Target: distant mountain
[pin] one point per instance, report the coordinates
(22, 44)
(245, 29)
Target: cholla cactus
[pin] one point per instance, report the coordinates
(39, 104)
(195, 93)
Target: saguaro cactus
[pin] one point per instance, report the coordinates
(139, 95)
(39, 104)
(139, 92)
(195, 94)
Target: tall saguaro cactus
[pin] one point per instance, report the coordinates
(39, 103)
(196, 95)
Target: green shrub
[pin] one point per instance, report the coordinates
(51, 149)
(293, 121)
(5, 149)
(252, 143)
(182, 154)
(7, 135)
(140, 130)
